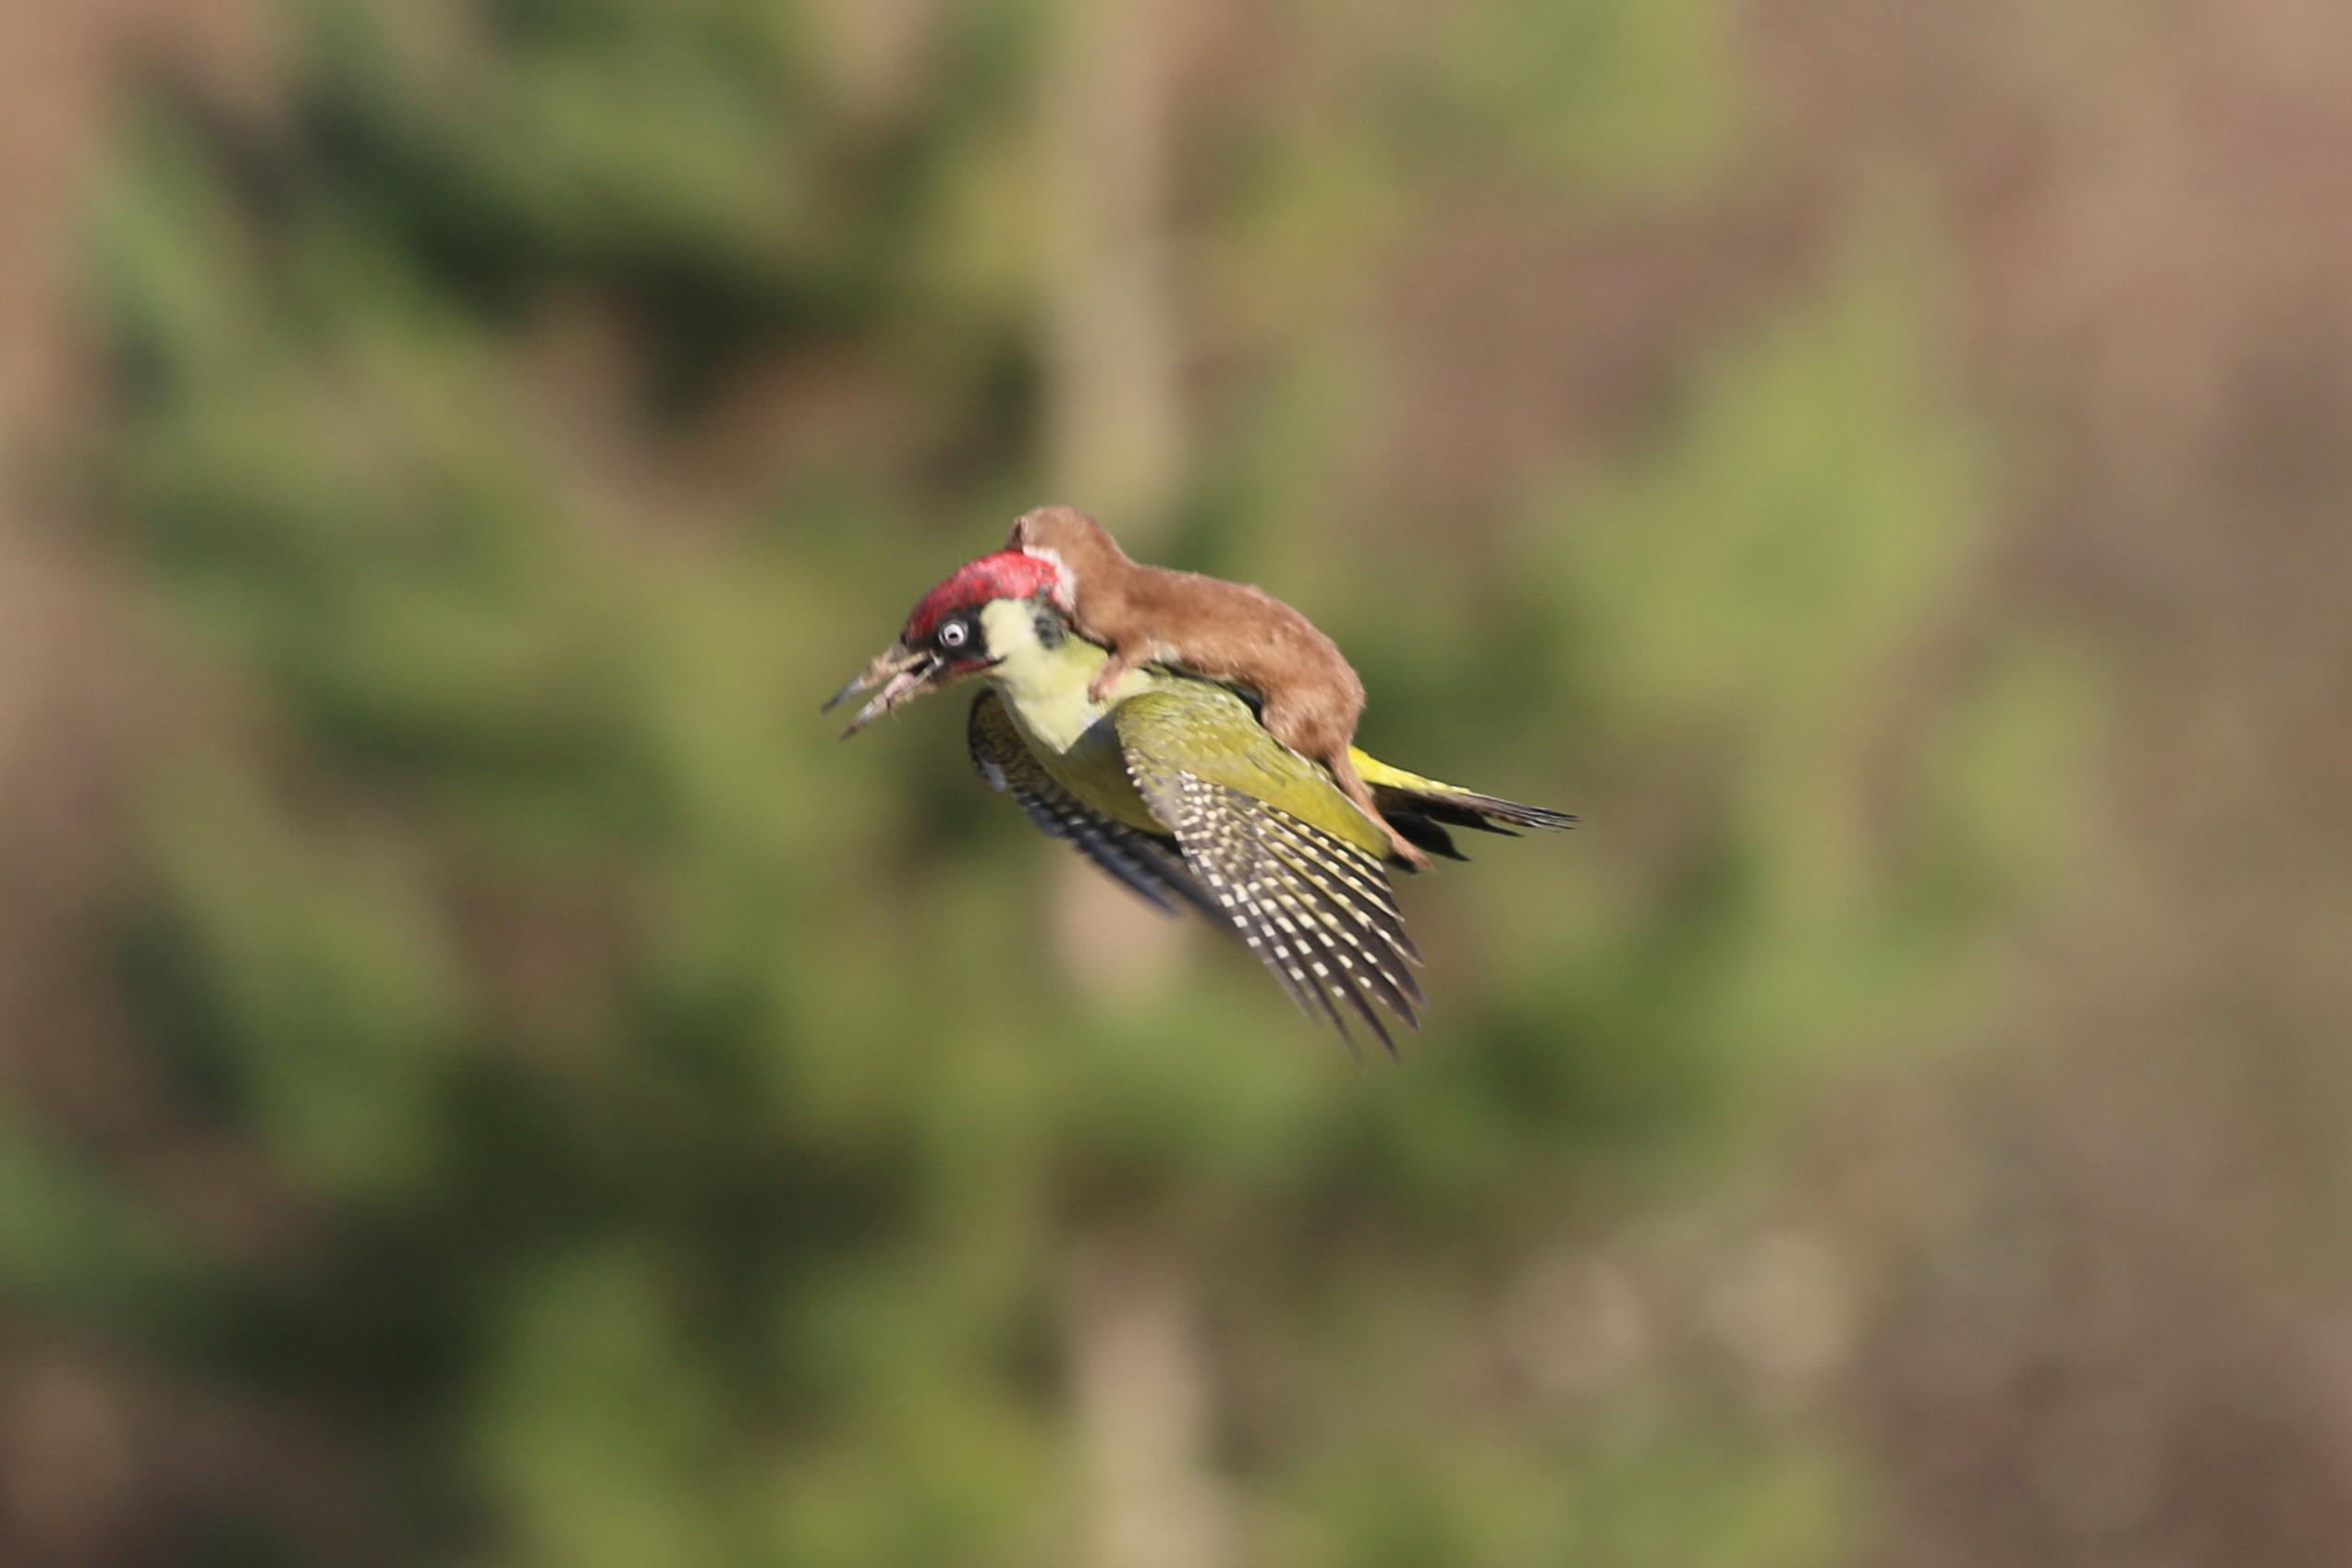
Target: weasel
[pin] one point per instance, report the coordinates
(1311, 697)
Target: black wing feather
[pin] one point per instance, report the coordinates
(1149, 867)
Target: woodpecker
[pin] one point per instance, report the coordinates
(1173, 784)
(1309, 694)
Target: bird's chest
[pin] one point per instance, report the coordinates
(1080, 746)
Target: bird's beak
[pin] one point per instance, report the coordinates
(903, 674)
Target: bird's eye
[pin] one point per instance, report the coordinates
(955, 634)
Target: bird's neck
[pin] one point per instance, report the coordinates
(1045, 679)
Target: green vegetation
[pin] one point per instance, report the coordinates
(708, 1137)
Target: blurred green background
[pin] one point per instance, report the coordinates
(486, 1080)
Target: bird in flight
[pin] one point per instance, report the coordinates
(1173, 784)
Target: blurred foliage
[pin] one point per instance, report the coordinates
(698, 1118)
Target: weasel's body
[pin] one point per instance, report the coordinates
(1228, 631)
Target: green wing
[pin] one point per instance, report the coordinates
(1145, 865)
(1219, 738)
(1314, 907)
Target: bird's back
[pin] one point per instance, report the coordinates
(1089, 747)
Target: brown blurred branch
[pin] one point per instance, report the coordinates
(1140, 1396)
(1113, 410)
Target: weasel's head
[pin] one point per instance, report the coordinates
(1074, 542)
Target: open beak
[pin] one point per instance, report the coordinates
(902, 674)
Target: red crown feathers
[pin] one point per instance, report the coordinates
(1008, 574)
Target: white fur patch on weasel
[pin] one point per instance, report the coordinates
(1065, 580)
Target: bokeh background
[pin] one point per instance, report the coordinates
(486, 1080)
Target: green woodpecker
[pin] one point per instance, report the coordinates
(1234, 633)
(1172, 785)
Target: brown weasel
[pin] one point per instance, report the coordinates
(1228, 631)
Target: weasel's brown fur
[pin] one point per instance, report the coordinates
(1228, 631)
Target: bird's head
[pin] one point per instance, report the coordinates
(950, 633)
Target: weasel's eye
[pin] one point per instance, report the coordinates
(955, 634)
